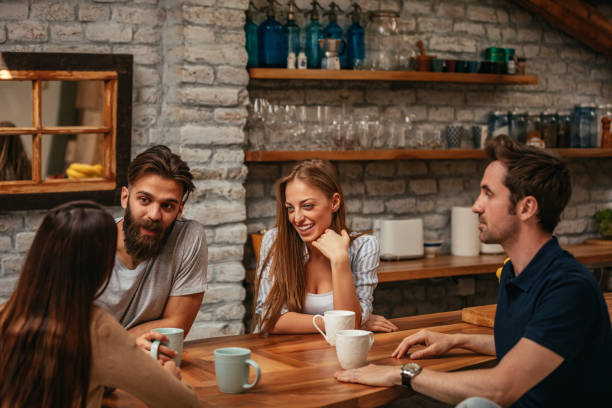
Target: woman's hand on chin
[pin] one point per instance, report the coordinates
(333, 245)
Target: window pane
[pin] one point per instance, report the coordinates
(16, 97)
(82, 154)
(72, 103)
(15, 163)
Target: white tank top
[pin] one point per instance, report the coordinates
(318, 303)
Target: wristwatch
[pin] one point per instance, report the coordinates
(409, 371)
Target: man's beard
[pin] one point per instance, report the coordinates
(144, 247)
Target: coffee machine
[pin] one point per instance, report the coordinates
(331, 48)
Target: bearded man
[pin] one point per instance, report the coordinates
(159, 275)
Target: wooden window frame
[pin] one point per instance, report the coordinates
(116, 72)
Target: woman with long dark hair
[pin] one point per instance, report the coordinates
(311, 263)
(56, 348)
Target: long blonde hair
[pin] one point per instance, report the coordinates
(286, 255)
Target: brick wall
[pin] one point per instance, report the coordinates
(189, 93)
(568, 72)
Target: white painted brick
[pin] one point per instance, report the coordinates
(493, 32)
(424, 205)
(199, 15)
(453, 168)
(215, 212)
(417, 7)
(228, 18)
(235, 156)
(7, 286)
(230, 190)
(197, 74)
(571, 226)
(5, 244)
(66, 32)
(149, 95)
(384, 187)
(93, 12)
(10, 223)
(11, 265)
(453, 44)
(411, 168)
(508, 33)
(357, 223)
(529, 35)
(470, 28)
(88, 48)
(147, 35)
(353, 206)
(2, 33)
(227, 272)
(352, 188)
(199, 35)
(145, 76)
(23, 241)
(481, 13)
(109, 32)
(437, 97)
(52, 11)
(233, 36)
(27, 31)
(401, 205)
(138, 15)
(211, 135)
(231, 234)
(225, 253)
(14, 11)
(232, 75)
(450, 185)
(231, 116)
(143, 54)
(144, 115)
(178, 114)
(32, 220)
(215, 96)
(205, 330)
(234, 4)
(502, 16)
(393, 5)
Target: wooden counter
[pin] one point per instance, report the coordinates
(450, 265)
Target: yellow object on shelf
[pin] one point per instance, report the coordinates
(81, 170)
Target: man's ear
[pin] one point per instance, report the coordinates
(125, 194)
(527, 208)
(336, 200)
(180, 211)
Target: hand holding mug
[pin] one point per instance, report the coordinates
(146, 340)
(174, 341)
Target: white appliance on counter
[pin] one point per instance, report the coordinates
(399, 238)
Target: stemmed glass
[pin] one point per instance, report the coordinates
(255, 123)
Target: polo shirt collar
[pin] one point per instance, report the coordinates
(538, 265)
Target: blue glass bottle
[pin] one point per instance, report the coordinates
(271, 41)
(250, 31)
(314, 32)
(292, 31)
(332, 30)
(355, 44)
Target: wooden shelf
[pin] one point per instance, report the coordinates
(395, 154)
(410, 76)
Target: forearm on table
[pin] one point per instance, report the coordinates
(296, 323)
(479, 343)
(343, 285)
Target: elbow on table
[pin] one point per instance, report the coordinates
(502, 393)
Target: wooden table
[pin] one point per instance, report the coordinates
(297, 370)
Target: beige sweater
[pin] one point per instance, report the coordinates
(118, 362)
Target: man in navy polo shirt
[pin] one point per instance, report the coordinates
(552, 333)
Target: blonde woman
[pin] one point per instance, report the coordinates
(310, 263)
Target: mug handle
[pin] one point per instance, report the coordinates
(155, 348)
(371, 340)
(314, 322)
(257, 373)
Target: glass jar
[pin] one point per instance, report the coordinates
(381, 41)
(584, 129)
(549, 128)
(498, 124)
(517, 124)
(564, 129)
(532, 128)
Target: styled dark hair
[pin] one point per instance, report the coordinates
(14, 162)
(160, 160)
(45, 357)
(533, 172)
(286, 255)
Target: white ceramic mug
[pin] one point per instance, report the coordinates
(352, 347)
(175, 342)
(334, 321)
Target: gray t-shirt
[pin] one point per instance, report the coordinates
(136, 296)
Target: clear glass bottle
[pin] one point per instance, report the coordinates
(381, 41)
(498, 124)
(533, 128)
(517, 125)
(584, 129)
(549, 128)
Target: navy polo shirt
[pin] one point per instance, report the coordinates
(557, 303)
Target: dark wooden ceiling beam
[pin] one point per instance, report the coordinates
(576, 18)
